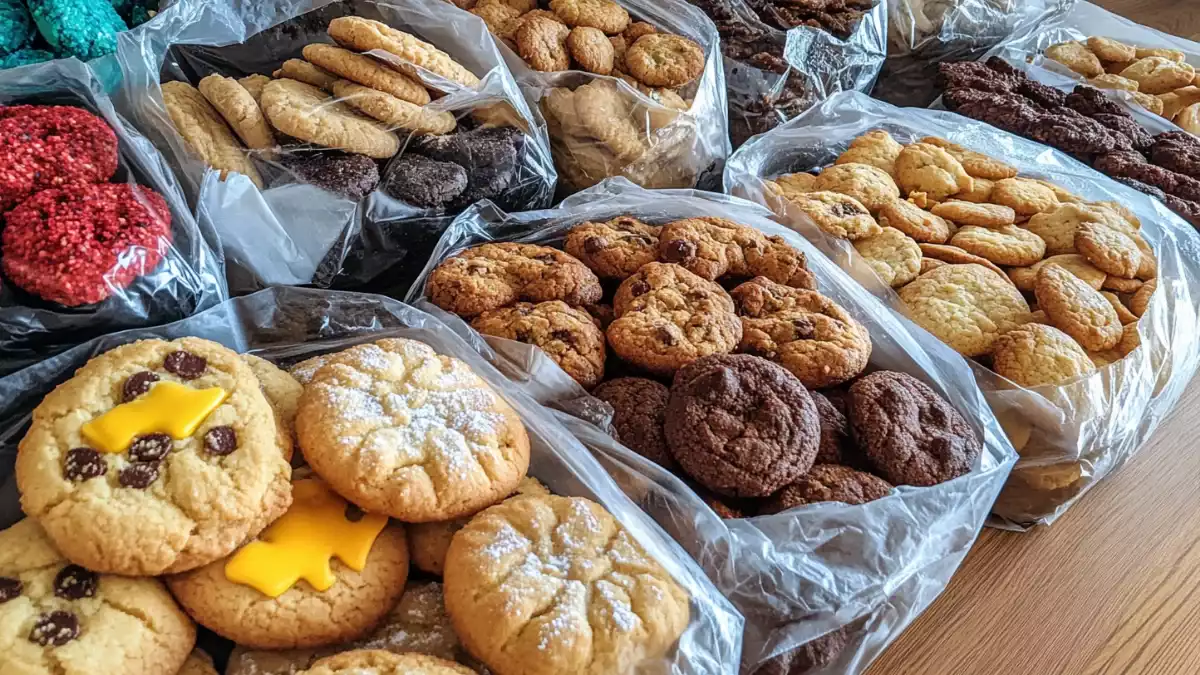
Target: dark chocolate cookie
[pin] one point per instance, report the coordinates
(489, 155)
(347, 174)
(639, 408)
(807, 657)
(741, 425)
(423, 182)
(835, 431)
(829, 483)
(909, 433)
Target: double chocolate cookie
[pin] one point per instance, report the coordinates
(639, 411)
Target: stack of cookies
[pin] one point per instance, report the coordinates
(171, 459)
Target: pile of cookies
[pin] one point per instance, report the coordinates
(171, 459)
(1015, 272)
(70, 237)
(34, 31)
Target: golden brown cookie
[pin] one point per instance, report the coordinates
(1008, 245)
(1141, 299)
(205, 131)
(614, 249)
(394, 112)
(1026, 197)
(931, 170)
(893, 255)
(976, 164)
(590, 48)
(1119, 285)
(502, 18)
(663, 60)
(980, 192)
(1077, 57)
(715, 247)
(1077, 309)
(1108, 49)
(1188, 119)
(303, 71)
(605, 113)
(917, 223)
(876, 148)
(1177, 100)
(606, 15)
(1123, 314)
(793, 184)
(568, 335)
(836, 214)
(870, 185)
(1035, 355)
(240, 110)
(1025, 278)
(980, 215)
(966, 306)
(379, 662)
(957, 256)
(1159, 75)
(1057, 227)
(930, 264)
(1109, 249)
(368, 72)
(1110, 81)
(1150, 102)
(1164, 52)
(364, 35)
(283, 393)
(254, 84)
(309, 114)
(542, 42)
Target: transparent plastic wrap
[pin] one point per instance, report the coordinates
(799, 575)
(924, 33)
(1069, 437)
(287, 325)
(331, 162)
(75, 275)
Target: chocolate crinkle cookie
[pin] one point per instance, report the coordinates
(741, 425)
(835, 430)
(639, 409)
(490, 156)
(808, 657)
(347, 174)
(423, 182)
(909, 433)
(828, 483)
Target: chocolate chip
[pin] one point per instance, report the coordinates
(844, 209)
(755, 349)
(548, 258)
(678, 250)
(139, 475)
(220, 440)
(137, 384)
(593, 245)
(523, 336)
(10, 589)
(562, 336)
(353, 513)
(55, 628)
(805, 330)
(82, 464)
(665, 336)
(150, 448)
(75, 583)
(639, 287)
(185, 364)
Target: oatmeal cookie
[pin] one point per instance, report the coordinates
(542, 42)
(715, 247)
(394, 112)
(870, 185)
(1077, 309)
(205, 131)
(614, 249)
(1159, 75)
(639, 411)
(893, 255)
(379, 662)
(980, 215)
(909, 432)
(590, 48)
(1109, 249)
(502, 19)
(876, 148)
(1035, 355)
(828, 483)
(837, 214)
(309, 114)
(606, 15)
(662, 60)
(807, 333)
(1110, 50)
(1141, 299)
(490, 276)
(976, 164)
(240, 110)
(569, 336)
(303, 71)
(364, 35)
(1009, 245)
(1171, 54)
(741, 425)
(366, 71)
(1026, 197)
(957, 256)
(926, 168)
(966, 306)
(1077, 57)
(920, 225)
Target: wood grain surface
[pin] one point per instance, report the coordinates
(1181, 17)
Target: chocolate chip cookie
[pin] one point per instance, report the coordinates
(614, 249)
(569, 336)
(639, 410)
(715, 247)
(829, 483)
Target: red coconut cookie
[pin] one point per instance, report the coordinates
(64, 244)
(45, 147)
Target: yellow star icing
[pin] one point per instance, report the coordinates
(168, 408)
(300, 544)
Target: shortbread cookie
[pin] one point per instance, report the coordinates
(1035, 355)
(124, 461)
(303, 71)
(957, 256)
(1159, 75)
(1109, 249)
(283, 393)
(568, 335)
(1108, 49)
(893, 255)
(664, 60)
(966, 306)
(870, 185)
(1077, 309)
(1025, 278)
(715, 247)
(58, 618)
(514, 608)
(379, 662)
(876, 148)
(394, 112)
(931, 170)
(980, 215)
(1026, 197)
(205, 131)
(366, 71)
(402, 431)
(976, 164)
(614, 249)
(496, 275)
(1008, 245)
(309, 114)
(914, 221)
(254, 85)
(1077, 57)
(837, 214)
(240, 110)
(606, 15)
(364, 35)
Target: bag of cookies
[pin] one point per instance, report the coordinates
(620, 292)
(532, 558)
(326, 127)
(95, 234)
(1072, 295)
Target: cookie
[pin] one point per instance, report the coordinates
(502, 18)
(514, 607)
(893, 255)
(876, 148)
(1026, 197)
(366, 71)
(980, 192)
(614, 249)
(605, 114)
(741, 426)
(364, 35)
(1077, 309)
(591, 50)
(1171, 54)
(309, 114)
(810, 335)
(918, 224)
(396, 113)
(926, 168)
(198, 663)
(402, 431)
(542, 43)
(97, 444)
(425, 183)
(639, 412)
(668, 317)
(980, 215)
(491, 154)
(837, 214)
(1025, 278)
(1035, 355)
(379, 662)
(1057, 227)
(1125, 316)
(1110, 81)
(349, 175)
(283, 393)
(1150, 102)
(835, 431)
(976, 164)
(662, 60)
(205, 131)
(303, 71)
(47, 147)
(1159, 75)
(828, 483)
(1109, 249)
(957, 256)
(569, 336)
(808, 657)
(240, 111)
(966, 306)
(715, 247)
(254, 84)
(870, 185)
(930, 264)
(605, 15)
(57, 617)
(490, 276)
(1141, 299)
(1009, 245)
(909, 432)
(1108, 49)
(792, 184)
(1077, 57)
(323, 574)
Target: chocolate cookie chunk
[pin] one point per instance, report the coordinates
(909, 433)
(808, 657)
(828, 483)
(568, 335)
(347, 174)
(741, 426)
(835, 430)
(488, 154)
(423, 182)
(639, 410)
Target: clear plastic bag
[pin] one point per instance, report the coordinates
(189, 277)
(1069, 437)
(801, 574)
(316, 230)
(290, 324)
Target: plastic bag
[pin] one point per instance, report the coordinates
(315, 230)
(189, 277)
(924, 33)
(1071, 436)
(289, 324)
(804, 573)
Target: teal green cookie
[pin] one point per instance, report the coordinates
(24, 57)
(16, 28)
(85, 29)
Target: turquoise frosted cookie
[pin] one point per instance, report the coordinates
(85, 29)
(16, 28)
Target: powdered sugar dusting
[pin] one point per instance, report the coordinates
(355, 405)
(506, 542)
(616, 607)
(562, 626)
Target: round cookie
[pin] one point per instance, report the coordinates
(980, 192)
(956, 256)
(323, 574)
(828, 483)
(117, 495)
(591, 49)
(639, 412)
(241, 112)
(198, 663)
(909, 432)
(893, 255)
(402, 431)
(283, 393)
(57, 618)
(741, 426)
(555, 585)
(205, 131)
(614, 249)
(1025, 197)
(835, 431)
(667, 317)
(807, 333)
(870, 185)
(976, 164)
(928, 169)
(793, 184)
(876, 148)
(364, 35)
(1025, 278)
(1109, 249)
(920, 225)
(966, 306)
(307, 113)
(1077, 57)
(491, 276)
(569, 336)
(392, 111)
(1140, 301)
(663, 60)
(981, 215)
(1009, 245)
(366, 71)
(605, 15)
(425, 183)
(1077, 309)
(1123, 314)
(254, 85)
(51, 146)
(348, 175)
(1035, 355)
(837, 214)
(379, 662)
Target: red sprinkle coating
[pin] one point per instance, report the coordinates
(75, 245)
(45, 147)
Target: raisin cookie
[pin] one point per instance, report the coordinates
(807, 333)
(893, 255)
(569, 336)
(1035, 355)
(614, 249)
(496, 275)
(966, 306)
(140, 444)
(836, 214)
(829, 483)
(1077, 309)
(639, 411)
(714, 247)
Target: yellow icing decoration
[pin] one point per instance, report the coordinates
(300, 544)
(168, 408)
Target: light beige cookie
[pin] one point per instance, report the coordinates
(606, 115)
(966, 306)
(870, 185)
(254, 84)
(1077, 57)
(1150, 102)
(1064, 195)
(1026, 197)
(664, 60)
(364, 70)
(205, 131)
(1159, 75)
(198, 663)
(893, 255)
(1176, 101)
(1077, 309)
(876, 148)
(1058, 227)
(1148, 269)
(1141, 300)
(309, 114)
(1164, 52)
(606, 15)
(1110, 81)
(792, 184)
(1035, 355)
(1109, 249)
(917, 223)
(1008, 245)
(980, 215)
(930, 264)
(1188, 119)
(303, 71)
(240, 110)
(364, 35)
(836, 214)
(957, 256)
(980, 192)
(976, 164)
(379, 662)
(1123, 314)
(1025, 278)
(591, 49)
(922, 167)
(394, 112)
(283, 393)
(1119, 285)
(1108, 49)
